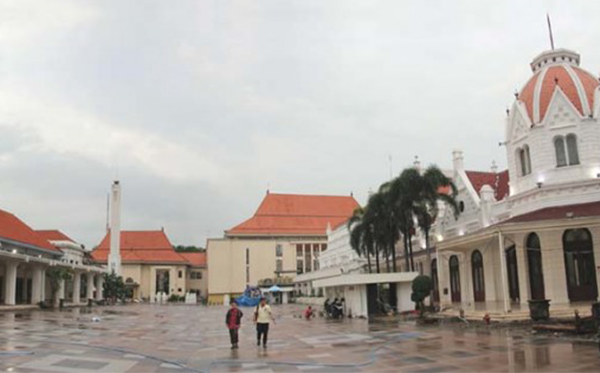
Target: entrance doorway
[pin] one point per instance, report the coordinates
(534, 264)
(372, 294)
(436, 284)
(580, 265)
(513, 274)
(478, 280)
(454, 279)
(162, 281)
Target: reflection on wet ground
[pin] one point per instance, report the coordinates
(152, 338)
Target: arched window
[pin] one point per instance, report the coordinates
(572, 149)
(454, 279)
(478, 279)
(566, 150)
(534, 265)
(561, 154)
(434, 277)
(580, 265)
(524, 160)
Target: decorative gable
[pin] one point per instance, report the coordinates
(520, 124)
(561, 111)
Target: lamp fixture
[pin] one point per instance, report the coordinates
(539, 184)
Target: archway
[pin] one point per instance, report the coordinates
(534, 264)
(454, 279)
(580, 265)
(478, 279)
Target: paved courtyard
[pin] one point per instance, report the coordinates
(150, 338)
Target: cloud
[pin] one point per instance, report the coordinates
(202, 105)
(59, 128)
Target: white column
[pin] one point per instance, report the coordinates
(60, 294)
(443, 281)
(77, 287)
(505, 296)
(38, 284)
(90, 286)
(44, 283)
(100, 287)
(24, 291)
(10, 283)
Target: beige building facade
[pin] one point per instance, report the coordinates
(285, 237)
(151, 267)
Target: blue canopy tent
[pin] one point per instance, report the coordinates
(250, 298)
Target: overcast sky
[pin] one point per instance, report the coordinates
(199, 107)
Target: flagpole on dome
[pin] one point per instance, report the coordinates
(550, 31)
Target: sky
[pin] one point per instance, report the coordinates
(200, 107)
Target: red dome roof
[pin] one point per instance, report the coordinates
(577, 85)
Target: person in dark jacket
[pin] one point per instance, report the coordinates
(233, 320)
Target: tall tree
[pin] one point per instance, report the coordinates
(384, 223)
(403, 195)
(359, 236)
(433, 190)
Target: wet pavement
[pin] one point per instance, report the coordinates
(178, 338)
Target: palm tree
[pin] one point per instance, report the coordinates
(384, 219)
(433, 189)
(359, 236)
(403, 195)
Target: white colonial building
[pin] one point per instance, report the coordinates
(532, 231)
(27, 255)
(344, 274)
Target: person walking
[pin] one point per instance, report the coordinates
(233, 320)
(262, 317)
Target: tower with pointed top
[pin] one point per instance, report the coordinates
(114, 257)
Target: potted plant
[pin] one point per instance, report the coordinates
(539, 309)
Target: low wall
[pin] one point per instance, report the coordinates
(313, 301)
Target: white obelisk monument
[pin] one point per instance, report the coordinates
(114, 257)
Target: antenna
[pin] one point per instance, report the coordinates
(391, 172)
(550, 31)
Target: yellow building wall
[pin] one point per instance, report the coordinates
(145, 276)
(195, 284)
(227, 262)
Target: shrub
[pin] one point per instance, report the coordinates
(114, 287)
(175, 298)
(421, 288)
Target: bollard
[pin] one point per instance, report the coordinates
(487, 319)
(577, 322)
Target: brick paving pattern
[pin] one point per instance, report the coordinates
(177, 338)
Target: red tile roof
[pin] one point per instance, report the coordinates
(196, 259)
(498, 182)
(295, 214)
(53, 235)
(558, 76)
(141, 247)
(14, 229)
(559, 212)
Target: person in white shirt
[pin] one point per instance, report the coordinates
(262, 317)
